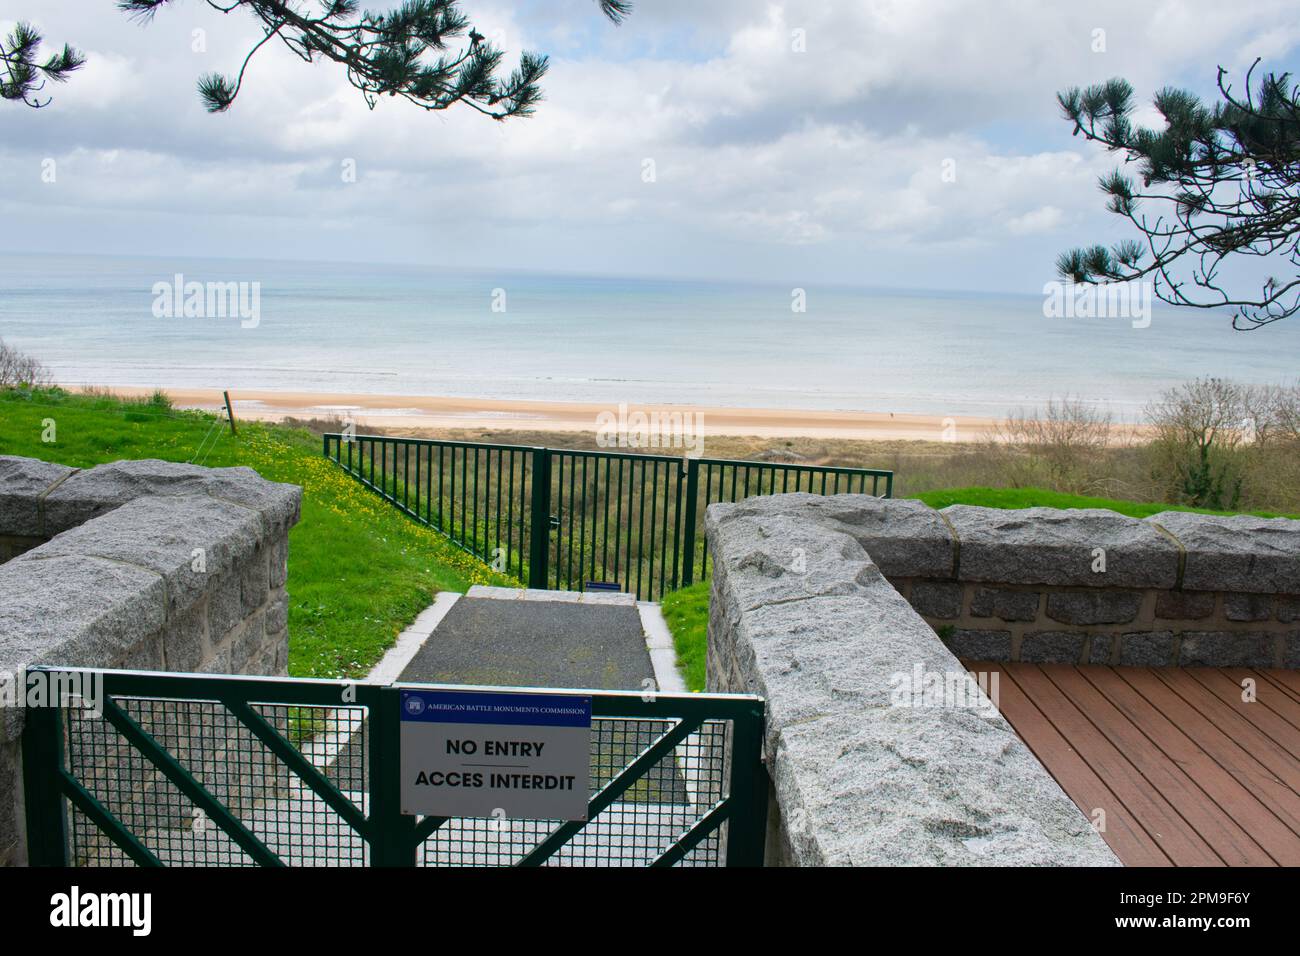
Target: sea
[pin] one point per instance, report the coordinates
(420, 330)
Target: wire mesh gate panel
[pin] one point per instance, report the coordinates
(198, 770)
(566, 519)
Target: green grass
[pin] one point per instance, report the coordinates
(687, 614)
(1015, 498)
(359, 571)
(687, 610)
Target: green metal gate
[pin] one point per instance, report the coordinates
(197, 770)
(564, 519)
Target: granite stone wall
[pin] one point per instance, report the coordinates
(850, 613)
(1090, 586)
(135, 564)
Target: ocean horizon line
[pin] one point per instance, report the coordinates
(905, 290)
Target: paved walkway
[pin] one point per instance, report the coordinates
(520, 638)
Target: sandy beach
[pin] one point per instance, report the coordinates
(430, 412)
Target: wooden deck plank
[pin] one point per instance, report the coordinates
(1268, 694)
(1266, 809)
(1283, 766)
(1187, 771)
(1288, 679)
(1260, 716)
(1199, 800)
(1281, 682)
(1155, 814)
(1121, 831)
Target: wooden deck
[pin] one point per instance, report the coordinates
(1187, 773)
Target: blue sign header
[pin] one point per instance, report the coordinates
(479, 707)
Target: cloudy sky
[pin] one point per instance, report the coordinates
(818, 164)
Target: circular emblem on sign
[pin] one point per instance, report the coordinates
(414, 705)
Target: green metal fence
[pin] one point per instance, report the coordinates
(197, 770)
(566, 519)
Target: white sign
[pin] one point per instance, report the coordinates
(504, 754)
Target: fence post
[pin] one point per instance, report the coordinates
(47, 827)
(747, 825)
(230, 413)
(539, 542)
(392, 835)
(688, 544)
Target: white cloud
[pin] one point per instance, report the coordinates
(105, 82)
(1042, 219)
(762, 153)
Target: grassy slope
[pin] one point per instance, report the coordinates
(687, 611)
(359, 572)
(687, 614)
(1033, 497)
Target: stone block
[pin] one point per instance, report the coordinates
(96, 491)
(1004, 604)
(1052, 647)
(225, 608)
(218, 663)
(1236, 553)
(1248, 607)
(973, 645)
(1051, 546)
(1184, 605)
(277, 612)
(1093, 607)
(779, 558)
(77, 611)
(246, 644)
(186, 540)
(1148, 649)
(1227, 649)
(22, 483)
(145, 656)
(904, 538)
(253, 581)
(1101, 648)
(941, 599)
(278, 561)
(183, 644)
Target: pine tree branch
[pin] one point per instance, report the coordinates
(406, 52)
(1231, 173)
(23, 77)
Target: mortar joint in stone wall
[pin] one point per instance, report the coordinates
(40, 498)
(1182, 551)
(956, 544)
